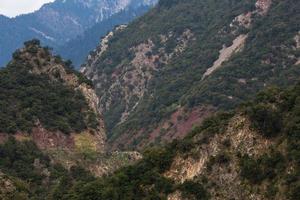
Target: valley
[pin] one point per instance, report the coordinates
(178, 100)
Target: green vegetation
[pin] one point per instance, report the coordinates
(27, 98)
(283, 124)
(145, 179)
(265, 119)
(277, 167)
(194, 191)
(35, 177)
(265, 60)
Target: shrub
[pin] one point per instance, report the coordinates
(194, 190)
(266, 119)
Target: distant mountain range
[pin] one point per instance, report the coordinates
(60, 22)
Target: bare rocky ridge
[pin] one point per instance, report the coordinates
(92, 57)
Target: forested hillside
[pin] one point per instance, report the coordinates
(51, 130)
(28, 94)
(183, 60)
(250, 153)
(206, 93)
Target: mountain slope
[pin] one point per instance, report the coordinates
(78, 48)
(250, 153)
(185, 59)
(45, 101)
(58, 22)
(51, 130)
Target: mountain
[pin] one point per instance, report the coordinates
(77, 49)
(207, 91)
(59, 22)
(249, 153)
(184, 60)
(49, 124)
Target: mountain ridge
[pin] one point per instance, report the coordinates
(58, 22)
(78, 48)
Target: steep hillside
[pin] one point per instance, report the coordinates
(45, 102)
(78, 48)
(183, 60)
(251, 153)
(59, 22)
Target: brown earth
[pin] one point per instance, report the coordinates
(177, 126)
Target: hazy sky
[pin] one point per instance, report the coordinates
(12, 8)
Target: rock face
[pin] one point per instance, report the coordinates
(205, 161)
(238, 134)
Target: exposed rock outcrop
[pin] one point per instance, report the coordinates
(226, 53)
(242, 139)
(263, 6)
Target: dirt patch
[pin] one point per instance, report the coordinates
(180, 123)
(177, 126)
(297, 40)
(3, 137)
(176, 196)
(51, 140)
